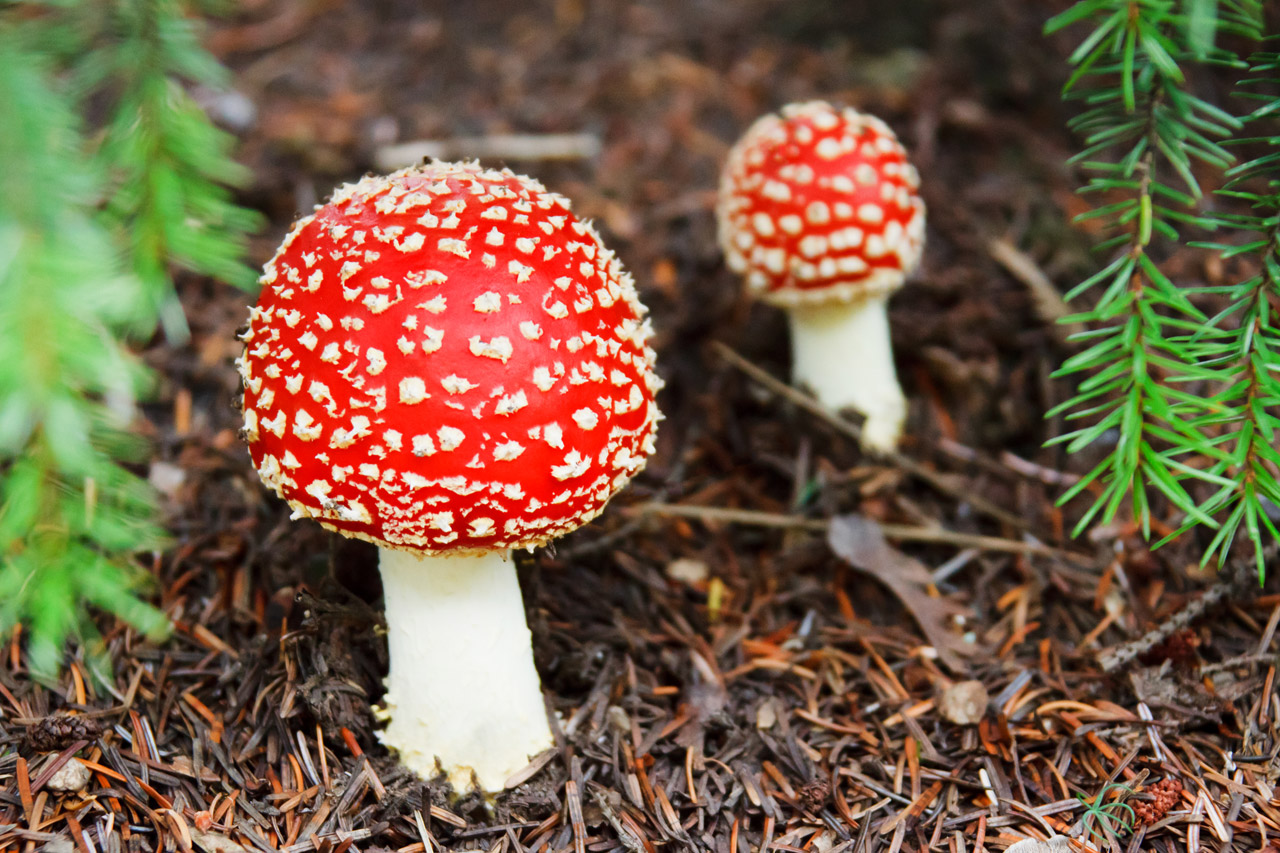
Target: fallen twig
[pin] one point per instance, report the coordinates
(901, 532)
(906, 463)
(1233, 581)
(1048, 302)
(501, 146)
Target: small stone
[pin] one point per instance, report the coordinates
(964, 703)
(687, 570)
(619, 720)
(166, 478)
(212, 842)
(70, 777)
(233, 110)
(1054, 844)
(824, 841)
(766, 715)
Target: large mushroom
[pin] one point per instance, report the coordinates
(447, 363)
(818, 210)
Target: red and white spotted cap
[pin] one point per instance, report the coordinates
(819, 204)
(447, 360)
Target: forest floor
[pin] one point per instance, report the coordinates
(767, 642)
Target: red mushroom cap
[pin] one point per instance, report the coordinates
(446, 359)
(820, 205)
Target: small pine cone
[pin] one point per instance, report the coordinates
(1179, 648)
(58, 731)
(1164, 796)
(813, 795)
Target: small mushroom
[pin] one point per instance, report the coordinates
(447, 363)
(818, 209)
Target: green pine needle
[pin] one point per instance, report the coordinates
(167, 166)
(1187, 404)
(92, 221)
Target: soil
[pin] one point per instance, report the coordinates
(770, 641)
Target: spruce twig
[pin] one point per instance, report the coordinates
(70, 510)
(92, 220)
(1179, 396)
(1243, 341)
(167, 165)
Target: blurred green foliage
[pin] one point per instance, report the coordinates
(93, 218)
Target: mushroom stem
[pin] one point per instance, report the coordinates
(842, 352)
(461, 686)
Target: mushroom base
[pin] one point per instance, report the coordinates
(842, 352)
(463, 696)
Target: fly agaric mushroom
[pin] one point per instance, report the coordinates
(447, 363)
(818, 209)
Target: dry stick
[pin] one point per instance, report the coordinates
(1048, 302)
(509, 146)
(901, 532)
(906, 463)
(1234, 580)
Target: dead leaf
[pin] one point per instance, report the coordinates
(860, 542)
(1165, 687)
(704, 698)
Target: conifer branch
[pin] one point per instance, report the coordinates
(67, 391)
(92, 220)
(1243, 341)
(1181, 396)
(167, 166)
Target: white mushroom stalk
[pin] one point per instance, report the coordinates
(461, 689)
(842, 352)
